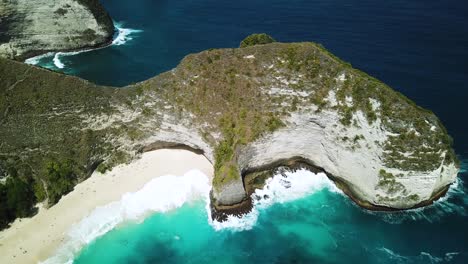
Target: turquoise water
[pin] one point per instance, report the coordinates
(323, 226)
(418, 47)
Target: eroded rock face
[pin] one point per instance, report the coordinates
(318, 138)
(245, 110)
(30, 27)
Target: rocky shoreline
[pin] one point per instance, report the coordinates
(36, 53)
(220, 213)
(247, 110)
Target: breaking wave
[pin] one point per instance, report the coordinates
(170, 192)
(121, 37)
(124, 35)
(159, 195)
(283, 187)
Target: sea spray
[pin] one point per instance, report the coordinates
(159, 195)
(170, 192)
(124, 35)
(283, 187)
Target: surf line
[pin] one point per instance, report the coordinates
(121, 36)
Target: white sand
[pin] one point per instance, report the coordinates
(34, 239)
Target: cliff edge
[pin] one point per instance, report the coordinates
(29, 28)
(248, 110)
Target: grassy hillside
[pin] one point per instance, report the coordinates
(56, 129)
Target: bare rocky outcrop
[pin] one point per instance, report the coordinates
(32, 27)
(317, 139)
(248, 111)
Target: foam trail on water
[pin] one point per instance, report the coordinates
(283, 187)
(422, 257)
(159, 195)
(124, 35)
(121, 37)
(57, 61)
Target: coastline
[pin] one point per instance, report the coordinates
(31, 240)
(117, 38)
(38, 53)
(249, 176)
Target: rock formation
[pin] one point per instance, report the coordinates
(32, 27)
(247, 110)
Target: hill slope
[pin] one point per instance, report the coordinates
(247, 110)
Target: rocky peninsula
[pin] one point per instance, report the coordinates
(247, 110)
(29, 28)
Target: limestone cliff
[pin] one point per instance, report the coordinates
(247, 110)
(31, 27)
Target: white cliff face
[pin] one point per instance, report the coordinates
(48, 25)
(383, 148)
(321, 139)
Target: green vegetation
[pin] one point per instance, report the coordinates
(61, 11)
(56, 129)
(388, 183)
(60, 179)
(89, 35)
(256, 39)
(16, 200)
(40, 123)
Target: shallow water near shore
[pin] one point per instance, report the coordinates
(299, 217)
(417, 47)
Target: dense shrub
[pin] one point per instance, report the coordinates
(16, 200)
(256, 39)
(60, 179)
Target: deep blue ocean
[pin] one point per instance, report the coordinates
(418, 47)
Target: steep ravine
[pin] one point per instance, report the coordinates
(247, 110)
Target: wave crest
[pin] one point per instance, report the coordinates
(283, 187)
(159, 195)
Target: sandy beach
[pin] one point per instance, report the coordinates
(31, 240)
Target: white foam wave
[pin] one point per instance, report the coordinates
(159, 195)
(122, 36)
(57, 61)
(283, 187)
(422, 257)
(35, 60)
